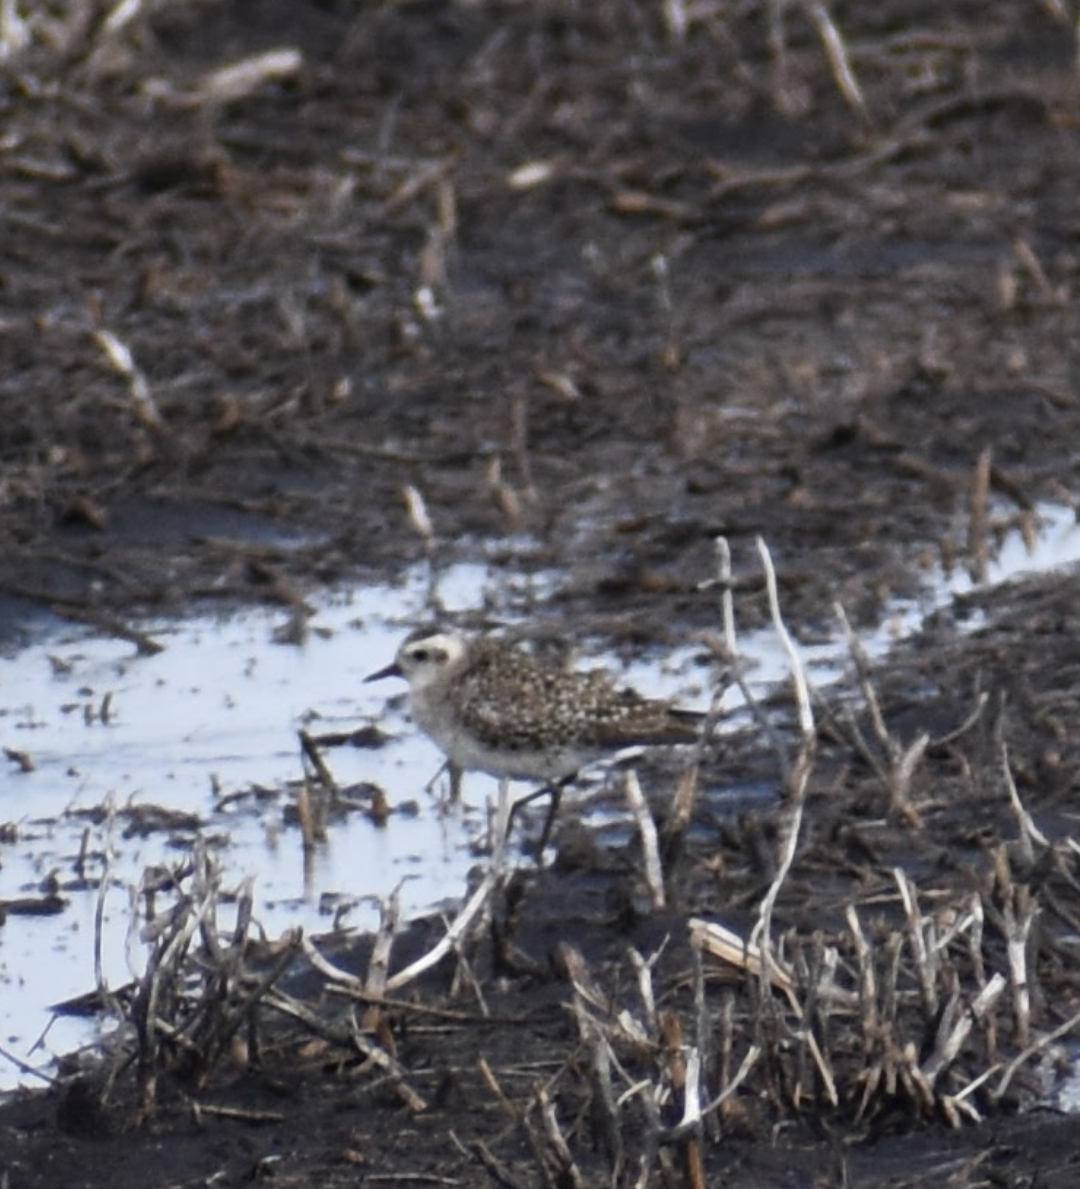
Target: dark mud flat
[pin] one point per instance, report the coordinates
(596, 290)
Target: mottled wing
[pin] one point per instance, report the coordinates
(498, 699)
(623, 718)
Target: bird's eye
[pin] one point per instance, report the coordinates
(421, 654)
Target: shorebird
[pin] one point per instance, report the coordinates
(492, 707)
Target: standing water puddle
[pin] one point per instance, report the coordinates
(199, 728)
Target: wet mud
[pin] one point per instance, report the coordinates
(574, 289)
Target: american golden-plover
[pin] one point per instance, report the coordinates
(492, 707)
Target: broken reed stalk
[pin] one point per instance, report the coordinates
(733, 660)
(922, 955)
(650, 845)
(899, 771)
(800, 777)
(1029, 834)
(378, 970)
(475, 905)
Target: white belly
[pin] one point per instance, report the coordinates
(471, 754)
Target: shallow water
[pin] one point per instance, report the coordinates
(201, 726)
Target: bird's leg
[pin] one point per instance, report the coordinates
(556, 791)
(553, 790)
(504, 815)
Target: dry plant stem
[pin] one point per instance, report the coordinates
(1018, 916)
(24, 1068)
(198, 1109)
(978, 540)
(307, 815)
(925, 964)
(948, 1046)
(482, 1154)
(839, 62)
(798, 673)
(1029, 832)
(902, 763)
(650, 846)
(328, 970)
(607, 1121)
(761, 934)
(379, 966)
(868, 1013)
(731, 947)
(309, 748)
(217, 1021)
(753, 1055)
(645, 988)
(605, 1111)
(952, 736)
(352, 1038)
(1070, 1025)
(703, 1038)
(800, 777)
(724, 578)
(475, 905)
(163, 966)
(120, 357)
(567, 1173)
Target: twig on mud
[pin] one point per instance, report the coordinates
(960, 731)
(487, 1160)
(75, 610)
(234, 82)
(238, 1114)
(536, 1139)
(839, 60)
(123, 362)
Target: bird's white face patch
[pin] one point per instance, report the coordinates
(427, 659)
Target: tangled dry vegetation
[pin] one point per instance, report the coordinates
(885, 995)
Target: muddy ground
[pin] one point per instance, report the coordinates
(594, 287)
